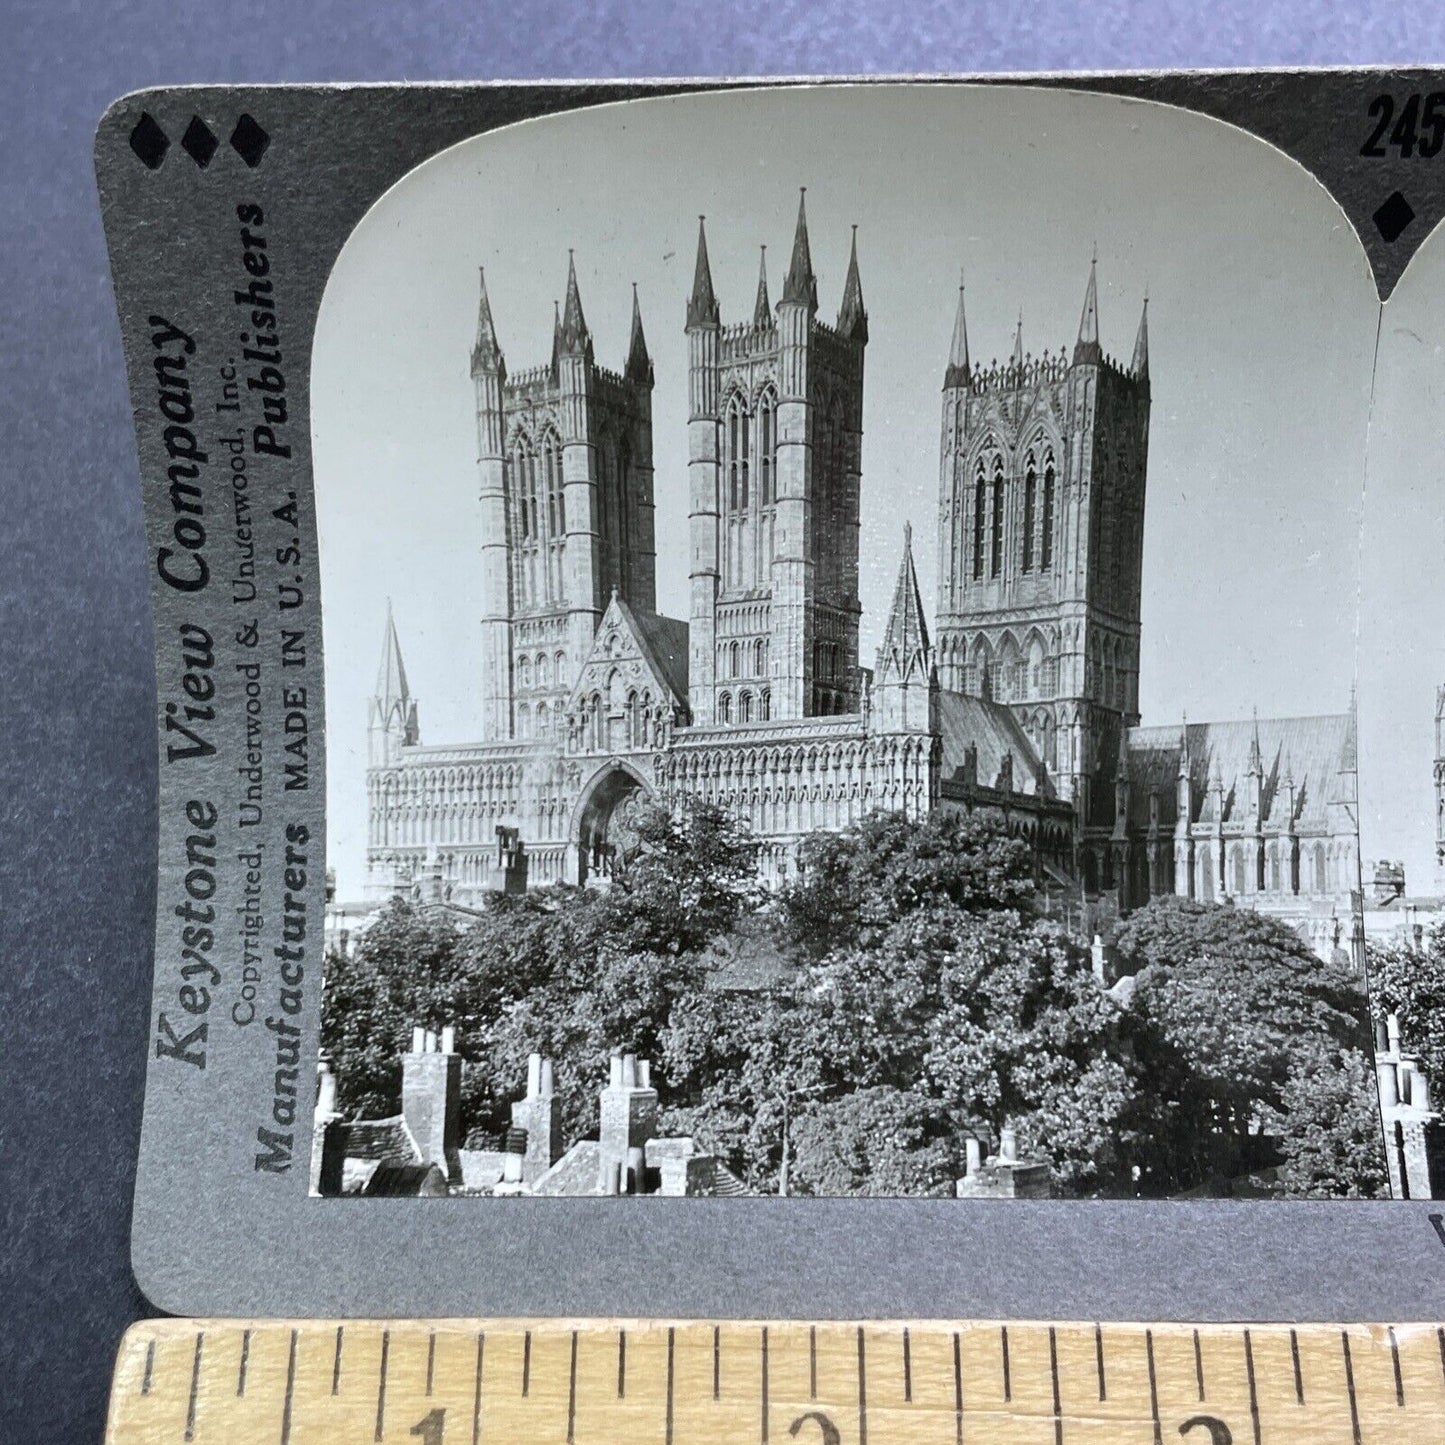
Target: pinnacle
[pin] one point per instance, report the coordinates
(1087, 349)
(800, 286)
(762, 308)
(702, 307)
(958, 365)
(853, 315)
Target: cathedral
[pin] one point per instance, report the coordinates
(1020, 701)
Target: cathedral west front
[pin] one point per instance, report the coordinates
(1021, 699)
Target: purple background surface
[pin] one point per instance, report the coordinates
(77, 833)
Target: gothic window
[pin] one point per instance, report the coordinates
(1046, 539)
(561, 672)
(735, 665)
(552, 472)
(544, 670)
(767, 448)
(736, 440)
(725, 708)
(1206, 875)
(524, 672)
(978, 520)
(544, 721)
(995, 550)
(1320, 884)
(745, 707)
(1030, 486)
(760, 657)
(765, 705)
(1274, 868)
(524, 721)
(1238, 861)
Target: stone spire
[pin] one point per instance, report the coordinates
(800, 286)
(853, 315)
(1140, 366)
(1184, 747)
(1087, 350)
(762, 307)
(1256, 756)
(905, 648)
(556, 339)
(639, 363)
(702, 307)
(1018, 356)
(486, 354)
(575, 336)
(957, 373)
(393, 709)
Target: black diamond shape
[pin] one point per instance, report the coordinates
(1393, 216)
(149, 142)
(199, 142)
(250, 141)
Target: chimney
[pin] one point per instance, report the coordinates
(539, 1117)
(431, 1100)
(628, 1119)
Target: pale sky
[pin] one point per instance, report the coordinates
(1262, 321)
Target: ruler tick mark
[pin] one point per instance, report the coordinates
(195, 1386)
(431, 1360)
(245, 1360)
(1299, 1379)
(1440, 1337)
(907, 1368)
(1253, 1391)
(957, 1390)
(336, 1363)
(621, 1364)
(1395, 1360)
(526, 1362)
(1350, 1386)
(1198, 1365)
(764, 1430)
(716, 1359)
(1153, 1388)
(862, 1392)
(1054, 1375)
(572, 1391)
(145, 1384)
(671, 1345)
(381, 1387)
(813, 1362)
(1099, 1359)
(477, 1389)
(290, 1391)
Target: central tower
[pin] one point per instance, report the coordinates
(775, 432)
(1041, 531)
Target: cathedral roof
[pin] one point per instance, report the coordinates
(995, 731)
(627, 638)
(853, 315)
(1315, 753)
(702, 307)
(800, 286)
(905, 649)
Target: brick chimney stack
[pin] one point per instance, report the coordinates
(628, 1111)
(431, 1098)
(540, 1114)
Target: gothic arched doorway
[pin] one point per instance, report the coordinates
(605, 831)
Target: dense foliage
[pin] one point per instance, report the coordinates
(1410, 983)
(914, 1000)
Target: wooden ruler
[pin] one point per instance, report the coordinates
(627, 1382)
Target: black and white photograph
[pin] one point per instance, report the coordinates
(856, 663)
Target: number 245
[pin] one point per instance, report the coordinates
(1420, 129)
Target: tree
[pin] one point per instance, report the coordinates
(1227, 1004)
(1410, 983)
(854, 884)
(875, 1141)
(1330, 1130)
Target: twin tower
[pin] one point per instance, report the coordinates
(1039, 526)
